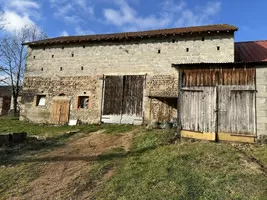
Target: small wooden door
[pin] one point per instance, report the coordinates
(60, 111)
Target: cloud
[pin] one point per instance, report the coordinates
(128, 17)
(14, 21)
(199, 16)
(64, 33)
(80, 31)
(72, 11)
(24, 5)
(19, 13)
(170, 14)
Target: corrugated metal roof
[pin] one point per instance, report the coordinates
(141, 34)
(252, 51)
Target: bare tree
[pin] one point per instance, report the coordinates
(2, 19)
(13, 58)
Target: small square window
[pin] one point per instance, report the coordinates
(218, 48)
(159, 51)
(187, 49)
(52, 56)
(34, 57)
(81, 68)
(40, 100)
(60, 68)
(42, 69)
(83, 102)
(72, 55)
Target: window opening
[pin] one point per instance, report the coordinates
(83, 101)
(40, 100)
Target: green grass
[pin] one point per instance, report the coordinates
(14, 125)
(14, 179)
(118, 130)
(185, 171)
(154, 168)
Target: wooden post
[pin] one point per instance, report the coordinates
(179, 103)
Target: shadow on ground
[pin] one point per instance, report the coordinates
(14, 153)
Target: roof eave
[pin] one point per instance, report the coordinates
(128, 37)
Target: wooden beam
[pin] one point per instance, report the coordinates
(198, 135)
(236, 137)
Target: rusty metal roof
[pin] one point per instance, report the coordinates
(252, 51)
(133, 35)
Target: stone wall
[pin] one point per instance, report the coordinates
(261, 100)
(70, 87)
(73, 69)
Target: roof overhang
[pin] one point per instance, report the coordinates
(184, 31)
(216, 64)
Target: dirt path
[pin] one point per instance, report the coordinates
(61, 166)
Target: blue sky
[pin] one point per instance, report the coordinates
(80, 17)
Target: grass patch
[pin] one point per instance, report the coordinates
(15, 179)
(185, 171)
(118, 129)
(153, 138)
(14, 125)
(259, 152)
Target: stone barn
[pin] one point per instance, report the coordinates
(116, 78)
(225, 100)
(5, 99)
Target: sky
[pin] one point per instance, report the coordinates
(82, 17)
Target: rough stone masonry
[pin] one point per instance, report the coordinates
(71, 70)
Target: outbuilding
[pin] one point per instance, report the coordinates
(225, 101)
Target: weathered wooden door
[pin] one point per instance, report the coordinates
(123, 99)
(198, 116)
(60, 111)
(236, 113)
(218, 103)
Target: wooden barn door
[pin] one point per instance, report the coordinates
(198, 116)
(60, 111)
(123, 99)
(236, 113)
(113, 90)
(218, 103)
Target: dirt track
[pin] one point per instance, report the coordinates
(61, 166)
